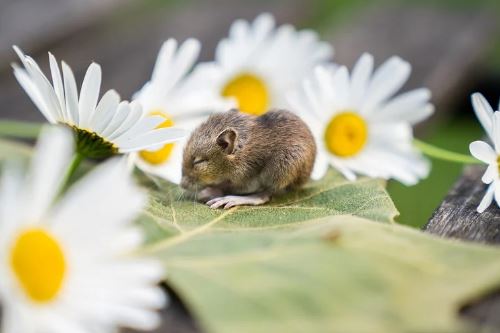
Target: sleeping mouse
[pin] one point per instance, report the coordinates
(237, 159)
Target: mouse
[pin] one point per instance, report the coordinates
(235, 159)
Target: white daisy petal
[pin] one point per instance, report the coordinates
(153, 138)
(89, 94)
(487, 199)
(361, 74)
(490, 174)
(411, 107)
(320, 167)
(105, 111)
(58, 84)
(52, 157)
(164, 61)
(71, 95)
(495, 136)
(483, 151)
(119, 117)
(35, 96)
(484, 112)
(133, 117)
(144, 125)
(386, 80)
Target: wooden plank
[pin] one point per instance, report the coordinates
(457, 217)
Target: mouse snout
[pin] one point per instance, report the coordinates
(187, 183)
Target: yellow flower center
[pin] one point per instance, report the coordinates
(250, 91)
(163, 154)
(346, 134)
(39, 265)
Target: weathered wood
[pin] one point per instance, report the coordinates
(457, 216)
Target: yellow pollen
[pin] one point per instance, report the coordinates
(250, 91)
(163, 154)
(346, 134)
(39, 265)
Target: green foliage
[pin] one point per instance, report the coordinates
(314, 261)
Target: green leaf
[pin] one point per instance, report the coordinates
(335, 274)
(314, 260)
(170, 214)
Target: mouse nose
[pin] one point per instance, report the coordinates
(185, 182)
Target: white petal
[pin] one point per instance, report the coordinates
(484, 113)
(105, 111)
(48, 165)
(410, 107)
(496, 131)
(341, 87)
(89, 94)
(320, 166)
(163, 61)
(344, 170)
(45, 88)
(487, 199)
(360, 78)
(106, 200)
(119, 117)
(58, 85)
(133, 117)
(153, 138)
(183, 62)
(71, 94)
(386, 81)
(171, 170)
(490, 174)
(143, 126)
(483, 151)
(33, 92)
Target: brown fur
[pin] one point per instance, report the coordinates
(272, 153)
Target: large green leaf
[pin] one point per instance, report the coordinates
(314, 261)
(169, 213)
(335, 274)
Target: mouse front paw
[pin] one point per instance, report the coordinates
(229, 201)
(208, 193)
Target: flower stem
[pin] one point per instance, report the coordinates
(443, 154)
(75, 162)
(20, 129)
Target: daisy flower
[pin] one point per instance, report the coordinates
(102, 128)
(68, 267)
(181, 98)
(258, 63)
(359, 126)
(484, 152)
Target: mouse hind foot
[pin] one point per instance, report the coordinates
(229, 201)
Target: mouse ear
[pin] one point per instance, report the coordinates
(227, 140)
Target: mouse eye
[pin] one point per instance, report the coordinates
(198, 160)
